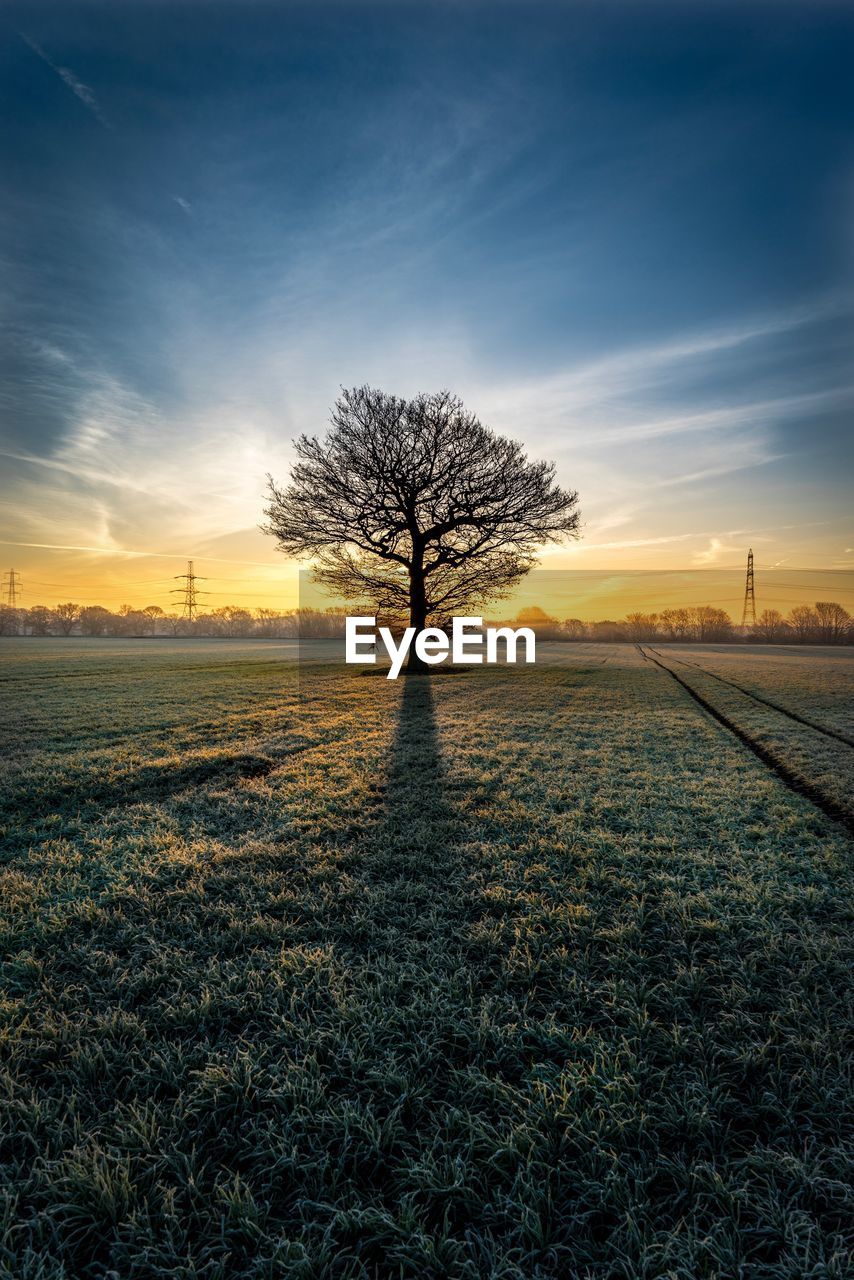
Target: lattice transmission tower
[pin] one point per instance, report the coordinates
(12, 585)
(748, 613)
(189, 592)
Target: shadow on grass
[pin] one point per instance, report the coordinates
(89, 796)
(417, 817)
(408, 862)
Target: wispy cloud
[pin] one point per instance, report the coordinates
(716, 541)
(128, 470)
(131, 553)
(566, 399)
(72, 81)
(646, 431)
(757, 412)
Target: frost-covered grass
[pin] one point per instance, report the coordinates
(762, 705)
(814, 682)
(505, 973)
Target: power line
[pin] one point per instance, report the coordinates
(73, 586)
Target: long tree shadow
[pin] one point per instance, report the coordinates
(417, 817)
(412, 865)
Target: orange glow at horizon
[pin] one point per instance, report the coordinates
(139, 580)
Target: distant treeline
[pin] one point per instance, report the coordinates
(825, 622)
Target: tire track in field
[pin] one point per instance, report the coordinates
(826, 804)
(757, 697)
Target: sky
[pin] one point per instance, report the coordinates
(622, 233)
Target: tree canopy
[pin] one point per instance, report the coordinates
(416, 506)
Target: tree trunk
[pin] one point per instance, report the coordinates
(417, 615)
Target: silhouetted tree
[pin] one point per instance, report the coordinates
(575, 629)
(66, 616)
(676, 623)
(770, 626)
(416, 505)
(153, 613)
(95, 620)
(10, 620)
(709, 624)
(607, 631)
(132, 622)
(39, 620)
(642, 626)
(833, 622)
(231, 620)
(804, 622)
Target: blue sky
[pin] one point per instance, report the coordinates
(623, 233)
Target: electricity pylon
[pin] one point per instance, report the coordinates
(748, 613)
(189, 592)
(12, 585)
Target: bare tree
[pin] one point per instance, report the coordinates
(607, 631)
(414, 504)
(132, 622)
(642, 626)
(66, 615)
(153, 613)
(770, 626)
(10, 620)
(231, 620)
(708, 624)
(676, 623)
(95, 620)
(575, 629)
(833, 621)
(39, 620)
(804, 622)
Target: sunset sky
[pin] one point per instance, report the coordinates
(622, 233)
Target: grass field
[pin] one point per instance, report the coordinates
(507, 973)
(818, 683)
